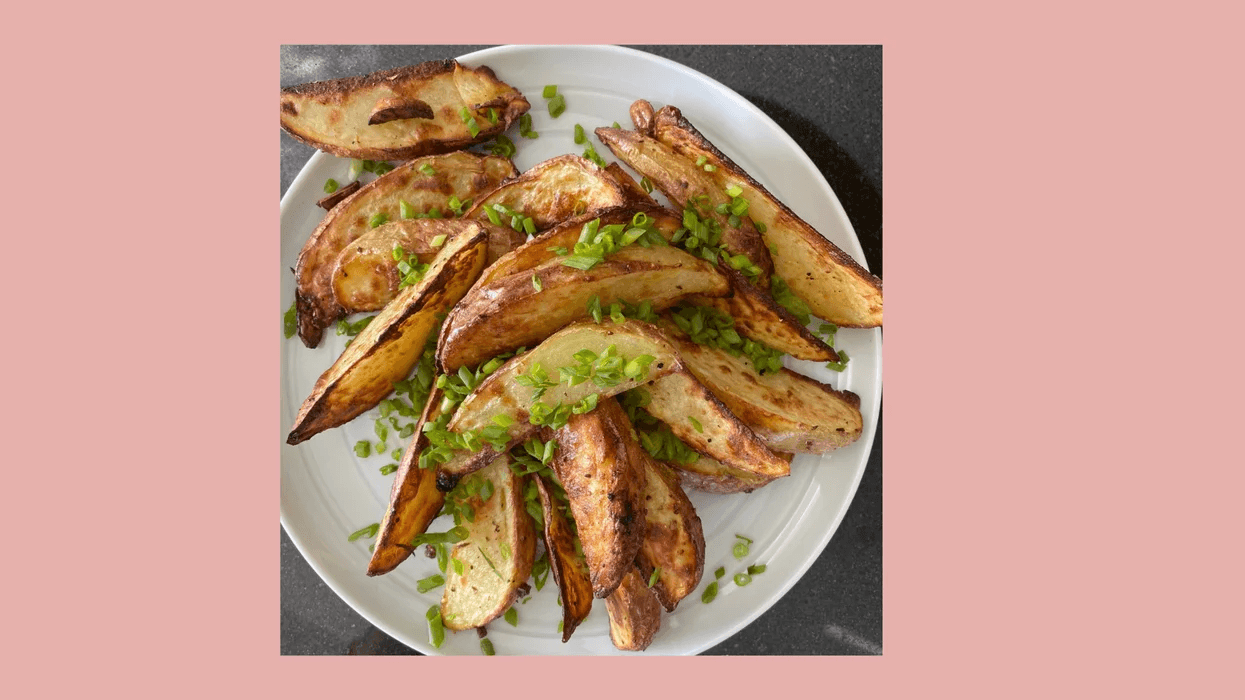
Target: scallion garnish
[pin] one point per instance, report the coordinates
(525, 127)
(537, 283)
(653, 578)
(841, 364)
(742, 579)
(436, 627)
(427, 584)
(756, 569)
(696, 424)
(438, 241)
(512, 616)
(579, 134)
(470, 121)
(290, 321)
(363, 448)
(377, 219)
(557, 105)
(368, 532)
(330, 185)
(406, 210)
(486, 646)
(720, 572)
(427, 169)
(711, 592)
(388, 469)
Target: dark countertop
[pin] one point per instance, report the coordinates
(827, 98)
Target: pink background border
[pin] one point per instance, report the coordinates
(1056, 178)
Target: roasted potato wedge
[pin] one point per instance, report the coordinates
(635, 613)
(553, 191)
(366, 276)
(401, 113)
(570, 571)
(787, 410)
(564, 235)
(833, 285)
(496, 556)
(414, 499)
(513, 312)
(711, 476)
(681, 180)
(635, 193)
(602, 468)
(759, 317)
(704, 424)
(463, 175)
(386, 350)
(500, 394)
(674, 542)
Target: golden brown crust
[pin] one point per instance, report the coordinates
(553, 191)
(599, 463)
(635, 613)
(339, 87)
(570, 571)
(414, 500)
(674, 541)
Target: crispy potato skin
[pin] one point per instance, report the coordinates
(555, 190)
(490, 580)
(570, 571)
(679, 396)
(635, 613)
(674, 540)
(601, 466)
(334, 115)
(510, 312)
(464, 175)
(681, 180)
(566, 233)
(711, 476)
(499, 393)
(834, 285)
(386, 350)
(366, 275)
(759, 317)
(414, 500)
(787, 410)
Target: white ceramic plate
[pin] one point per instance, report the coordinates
(327, 492)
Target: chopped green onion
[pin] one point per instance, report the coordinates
(427, 169)
(377, 219)
(557, 105)
(756, 569)
(458, 565)
(696, 424)
(290, 321)
(368, 532)
(452, 536)
(734, 191)
(436, 627)
(486, 646)
(761, 228)
(701, 161)
(742, 579)
(388, 469)
(536, 283)
(710, 167)
(330, 185)
(579, 134)
(653, 578)
(356, 169)
(525, 127)
(711, 592)
(438, 241)
(492, 115)
(363, 448)
(646, 184)
(720, 572)
(616, 125)
(427, 584)
(512, 616)
(470, 121)
(549, 91)
(841, 364)
(406, 210)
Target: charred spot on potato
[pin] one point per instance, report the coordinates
(289, 108)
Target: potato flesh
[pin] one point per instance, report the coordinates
(511, 312)
(388, 348)
(553, 191)
(501, 394)
(366, 274)
(497, 554)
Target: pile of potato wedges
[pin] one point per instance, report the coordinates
(587, 350)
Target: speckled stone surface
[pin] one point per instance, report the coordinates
(829, 99)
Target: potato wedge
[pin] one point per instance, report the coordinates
(414, 499)
(386, 350)
(564, 235)
(635, 613)
(366, 275)
(704, 424)
(787, 410)
(570, 571)
(401, 113)
(512, 312)
(711, 476)
(674, 542)
(462, 175)
(681, 180)
(553, 191)
(635, 193)
(602, 468)
(759, 317)
(500, 394)
(496, 556)
(833, 285)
